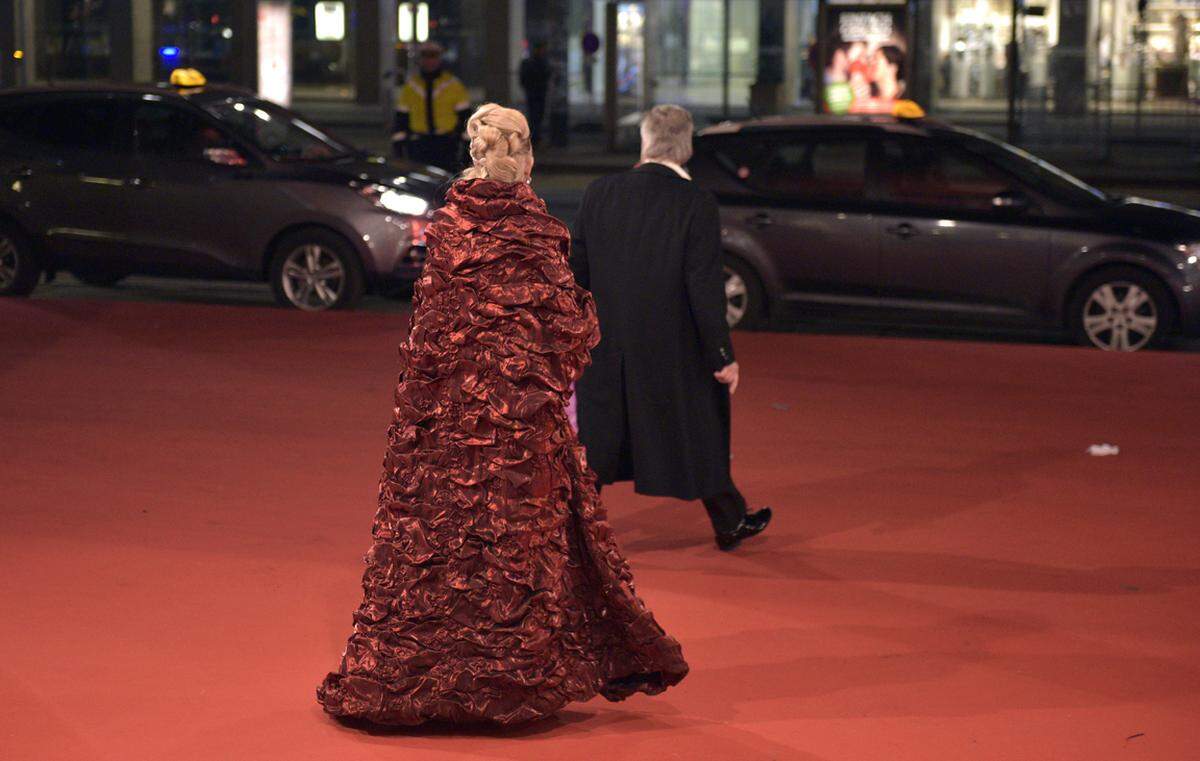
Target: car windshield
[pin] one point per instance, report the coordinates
(276, 131)
(1030, 169)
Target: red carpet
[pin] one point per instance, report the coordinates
(187, 492)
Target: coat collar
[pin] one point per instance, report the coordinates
(665, 169)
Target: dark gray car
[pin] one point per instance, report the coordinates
(210, 182)
(884, 219)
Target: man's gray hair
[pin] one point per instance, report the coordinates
(667, 135)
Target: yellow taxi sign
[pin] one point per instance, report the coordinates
(907, 109)
(187, 78)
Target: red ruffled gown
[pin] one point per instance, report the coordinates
(494, 591)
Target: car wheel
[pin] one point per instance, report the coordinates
(98, 279)
(745, 304)
(315, 270)
(1121, 309)
(20, 269)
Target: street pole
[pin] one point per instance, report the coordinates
(372, 54)
(649, 59)
(8, 43)
(245, 45)
(1014, 75)
(818, 73)
(728, 25)
(1140, 37)
(610, 75)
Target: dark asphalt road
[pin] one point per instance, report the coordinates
(562, 194)
(146, 289)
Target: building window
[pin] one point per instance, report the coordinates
(970, 52)
(705, 55)
(971, 59)
(1152, 55)
(197, 34)
(74, 39)
(708, 50)
(673, 52)
(322, 61)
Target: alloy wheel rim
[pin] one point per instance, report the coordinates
(313, 277)
(8, 262)
(1120, 316)
(737, 297)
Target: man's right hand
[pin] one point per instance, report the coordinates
(729, 376)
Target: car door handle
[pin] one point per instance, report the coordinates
(761, 219)
(20, 171)
(903, 230)
(137, 183)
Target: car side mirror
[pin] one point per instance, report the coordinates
(1011, 202)
(225, 157)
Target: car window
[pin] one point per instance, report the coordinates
(165, 130)
(803, 167)
(18, 120)
(831, 169)
(922, 172)
(277, 132)
(87, 124)
(1029, 168)
(840, 167)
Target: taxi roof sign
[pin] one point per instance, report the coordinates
(187, 78)
(907, 109)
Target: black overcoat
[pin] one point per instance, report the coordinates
(647, 244)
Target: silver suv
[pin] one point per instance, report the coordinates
(210, 182)
(884, 219)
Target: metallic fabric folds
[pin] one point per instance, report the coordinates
(494, 591)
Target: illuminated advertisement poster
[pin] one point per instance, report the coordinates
(275, 50)
(866, 58)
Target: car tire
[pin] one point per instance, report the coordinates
(745, 299)
(316, 270)
(98, 278)
(1121, 309)
(20, 269)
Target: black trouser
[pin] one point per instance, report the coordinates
(725, 510)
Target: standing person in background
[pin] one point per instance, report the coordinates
(654, 406)
(809, 87)
(431, 113)
(535, 81)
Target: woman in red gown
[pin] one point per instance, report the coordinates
(494, 591)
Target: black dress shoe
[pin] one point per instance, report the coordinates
(752, 524)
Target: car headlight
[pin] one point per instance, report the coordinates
(394, 200)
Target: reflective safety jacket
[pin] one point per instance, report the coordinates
(444, 97)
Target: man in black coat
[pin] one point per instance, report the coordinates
(653, 406)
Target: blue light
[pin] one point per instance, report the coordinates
(170, 51)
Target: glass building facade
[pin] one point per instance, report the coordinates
(1152, 53)
(196, 33)
(323, 49)
(722, 58)
(75, 39)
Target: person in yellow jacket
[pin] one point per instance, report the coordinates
(431, 113)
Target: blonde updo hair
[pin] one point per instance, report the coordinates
(500, 148)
